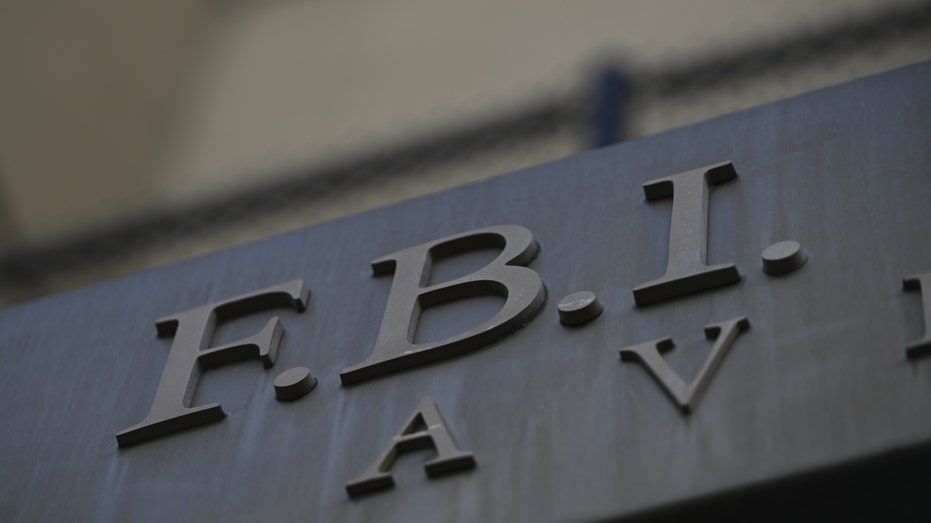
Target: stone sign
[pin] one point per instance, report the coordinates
(696, 321)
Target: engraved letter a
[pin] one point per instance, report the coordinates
(433, 433)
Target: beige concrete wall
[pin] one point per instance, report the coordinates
(90, 98)
(110, 109)
(295, 82)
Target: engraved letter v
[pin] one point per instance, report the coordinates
(684, 394)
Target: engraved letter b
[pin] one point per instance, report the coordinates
(505, 276)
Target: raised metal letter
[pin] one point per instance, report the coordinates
(682, 393)
(424, 429)
(921, 282)
(504, 276)
(191, 354)
(686, 271)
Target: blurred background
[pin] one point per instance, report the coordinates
(137, 134)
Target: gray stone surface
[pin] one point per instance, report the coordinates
(561, 428)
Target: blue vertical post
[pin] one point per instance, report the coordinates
(609, 107)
